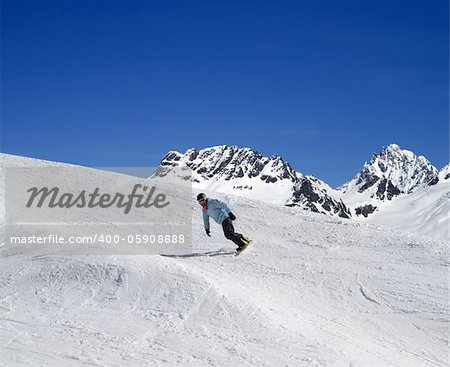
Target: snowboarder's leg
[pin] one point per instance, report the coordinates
(228, 231)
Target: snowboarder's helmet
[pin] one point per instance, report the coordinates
(201, 196)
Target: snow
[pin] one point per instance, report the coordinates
(425, 211)
(311, 290)
(444, 173)
(277, 193)
(9, 160)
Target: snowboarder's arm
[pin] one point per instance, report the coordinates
(206, 221)
(224, 207)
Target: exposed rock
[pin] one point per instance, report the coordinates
(365, 210)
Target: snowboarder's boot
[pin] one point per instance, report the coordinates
(245, 241)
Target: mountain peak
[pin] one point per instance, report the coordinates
(392, 147)
(392, 172)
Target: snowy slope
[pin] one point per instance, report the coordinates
(312, 290)
(444, 173)
(425, 211)
(9, 160)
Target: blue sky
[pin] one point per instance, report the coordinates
(322, 83)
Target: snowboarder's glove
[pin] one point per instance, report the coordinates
(231, 216)
(208, 232)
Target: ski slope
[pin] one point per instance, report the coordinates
(425, 211)
(311, 290)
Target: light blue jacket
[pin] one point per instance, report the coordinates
(217, 210)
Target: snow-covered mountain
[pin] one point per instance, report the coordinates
(245, 172)
(391, 173)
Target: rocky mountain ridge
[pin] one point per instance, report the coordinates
(243, 171)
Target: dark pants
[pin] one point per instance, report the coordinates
(228, 231)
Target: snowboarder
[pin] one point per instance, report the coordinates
(221, 213)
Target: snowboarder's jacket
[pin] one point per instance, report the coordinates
(215, 209)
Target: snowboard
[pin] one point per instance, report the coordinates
(238, 252)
